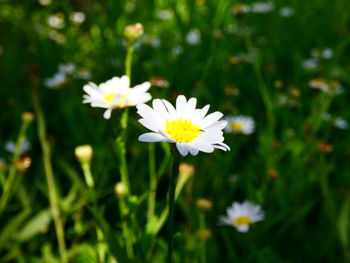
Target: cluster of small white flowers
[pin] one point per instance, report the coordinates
(317, 56)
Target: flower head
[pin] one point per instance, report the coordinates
(184, 125)
(242, 215)
(115, 93)
(240, 124)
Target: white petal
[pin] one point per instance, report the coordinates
(159, 107)
(243, 228)
(141, 88)
(151, 137)
(182, 148)
(181, 105)
(210, 119)
(199, 114)
(150, 124)
(107, 114)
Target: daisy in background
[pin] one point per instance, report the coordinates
(240, 124)
(10, 146)
(242, 215)
(116, 94)
(189, 128)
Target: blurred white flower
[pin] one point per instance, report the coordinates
(77, 17)
(56, 81)
(164, 14)
(241, 216)
(67, 68)
(57, 36)
(83, 74)
(115, 93)
(45, 2)
(240, 124)
(193, 37)
(10, 146)
(286, 11)
(184, 125)
(327, 53)
(262, 7)
(326, 116)
(56, 21)
(176, 51)
(320, 84)
(240, 8)
(310, 64)
(341, 123)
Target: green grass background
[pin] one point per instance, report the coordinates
(307, 206)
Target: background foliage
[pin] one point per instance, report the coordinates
(296, 164)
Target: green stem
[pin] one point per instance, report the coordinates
(128, 60)
(202, 244)
(171, 201)
(126, 231)
(85, 165)
(153, 183)
(6, 195)
(53, 197)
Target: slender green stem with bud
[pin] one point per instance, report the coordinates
(53, 196)
(8, 185)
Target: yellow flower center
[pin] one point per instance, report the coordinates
(237, 126)
(182, 130)
(109, 97)
(242, 220)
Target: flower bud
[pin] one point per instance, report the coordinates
(204, 204)
(133, 32)
(186, 169)
(83, 153)
(23, 163)
(120, 189)
(204, 234)
(27, 116)
(3, 165)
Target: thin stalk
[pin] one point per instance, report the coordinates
(128, 238)
(152, 182)
(128, 60)
(202, 244)
(6, 195)
(89, 180)
(53, 197)
(171, 201)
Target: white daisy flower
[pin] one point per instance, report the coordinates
(116, 93)
(241, 216)
(240, 124)
(184, 125)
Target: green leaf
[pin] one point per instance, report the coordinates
(86, 254)
(12, 227)
(35, 225)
